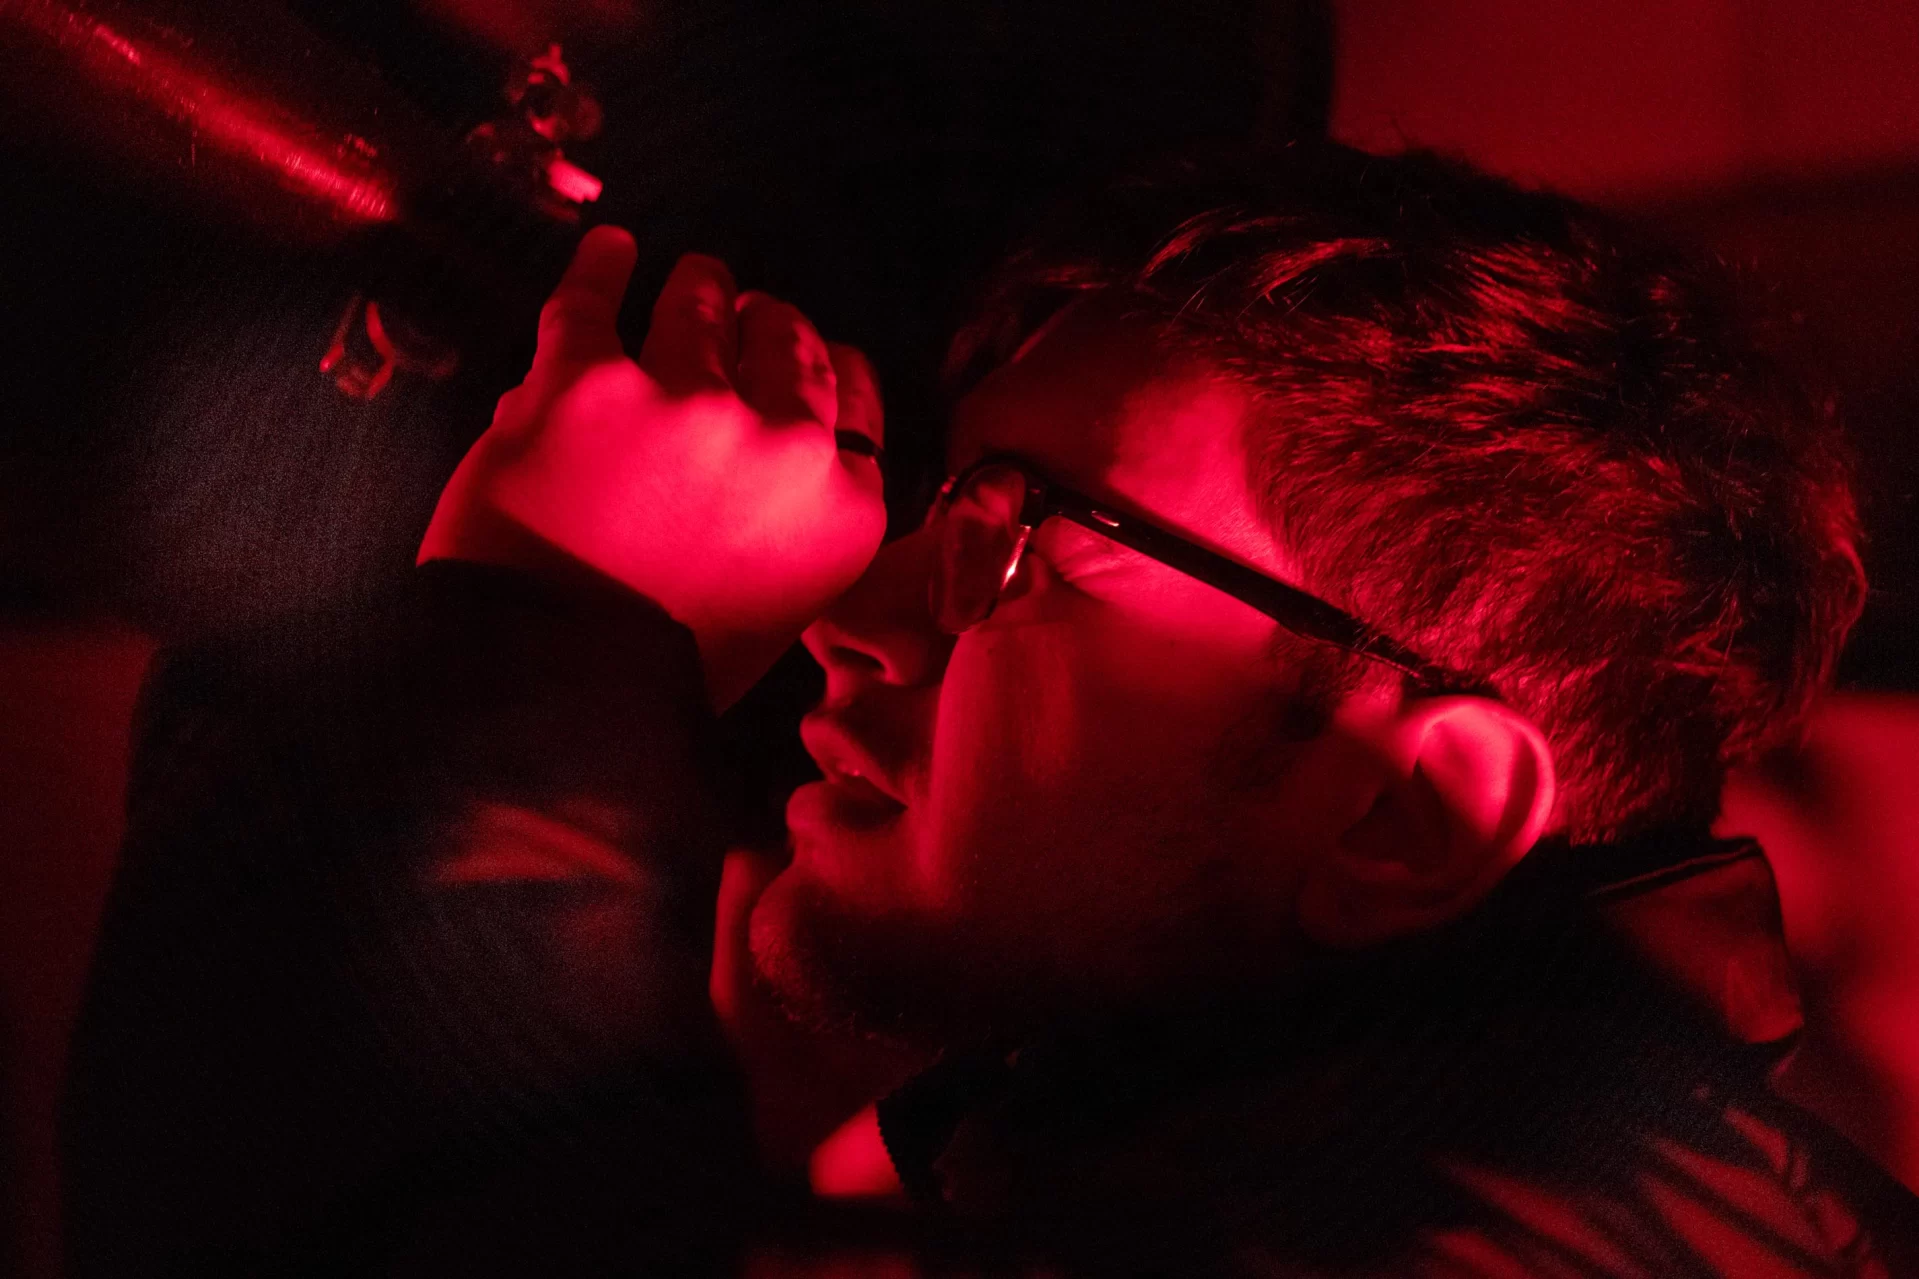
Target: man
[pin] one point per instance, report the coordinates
(1271, 787)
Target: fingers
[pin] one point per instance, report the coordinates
(693, 342)
(860, 411)
(707, 336)
(577, 322)
(785, 369)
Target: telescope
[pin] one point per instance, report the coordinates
(241, 115)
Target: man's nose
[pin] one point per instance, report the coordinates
(882, 630)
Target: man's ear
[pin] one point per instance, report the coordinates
(1466, 789)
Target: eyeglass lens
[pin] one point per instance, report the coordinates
(980, 539)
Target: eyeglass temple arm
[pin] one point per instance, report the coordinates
(1294, 609)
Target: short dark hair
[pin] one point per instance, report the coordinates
(1509, 431)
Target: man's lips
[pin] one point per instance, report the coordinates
(861, 790)
(847, 764)
(837, 807)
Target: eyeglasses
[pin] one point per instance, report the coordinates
(985, 517)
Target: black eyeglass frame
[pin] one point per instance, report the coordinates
(1304, 615)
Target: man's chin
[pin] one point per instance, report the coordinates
(839, 971)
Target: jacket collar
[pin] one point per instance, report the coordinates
(1698, 917)
(1711, 926)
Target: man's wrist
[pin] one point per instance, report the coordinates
(731, 661)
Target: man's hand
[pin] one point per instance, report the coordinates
(706, 476)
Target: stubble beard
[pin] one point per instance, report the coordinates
(846, 969)
(836, 971)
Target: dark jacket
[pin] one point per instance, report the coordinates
(405, 972)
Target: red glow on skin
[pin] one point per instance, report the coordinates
(853, 1163)
(223, 119)
(803, 1083)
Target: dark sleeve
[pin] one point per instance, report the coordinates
(405, 967)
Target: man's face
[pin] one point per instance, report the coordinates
(1090, 800)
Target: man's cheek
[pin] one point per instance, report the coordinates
(1015, 696)
(989, 802)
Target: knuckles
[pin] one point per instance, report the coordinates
(751, 502)
(715, 406)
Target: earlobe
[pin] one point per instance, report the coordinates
(1466, 788)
